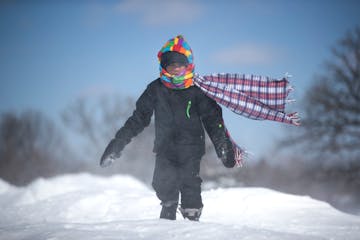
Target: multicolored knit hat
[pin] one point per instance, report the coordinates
(185, 80)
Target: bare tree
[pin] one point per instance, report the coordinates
(330, 133)
(95, 121)
(30, 147)
(331, 125)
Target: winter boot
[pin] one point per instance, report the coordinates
(192, 214)
(168, 210)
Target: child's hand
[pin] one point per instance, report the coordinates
(112, 152)
(107, 161)
(226, 154)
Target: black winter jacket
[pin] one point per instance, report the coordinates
(179, 118)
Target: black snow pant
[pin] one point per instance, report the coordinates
(177, 172)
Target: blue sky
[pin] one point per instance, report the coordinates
(52, 52)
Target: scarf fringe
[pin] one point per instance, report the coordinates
(287, 75)
(295, 118)
(290, 100)
(241, 157)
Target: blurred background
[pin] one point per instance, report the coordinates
(71, 71)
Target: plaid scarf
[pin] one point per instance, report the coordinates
(185, 79)
(255, 97)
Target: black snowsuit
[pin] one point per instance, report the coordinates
(179, 138)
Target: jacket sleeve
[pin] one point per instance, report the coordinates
(211, 116)
(140, 118)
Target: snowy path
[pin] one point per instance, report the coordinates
(75, 207)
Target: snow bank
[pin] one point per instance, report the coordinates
(90, 207)
(4, 186)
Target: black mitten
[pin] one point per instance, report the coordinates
(112, 152)
(225, 152)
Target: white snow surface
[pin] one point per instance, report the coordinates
(84, 206)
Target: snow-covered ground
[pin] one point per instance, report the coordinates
(77, 207)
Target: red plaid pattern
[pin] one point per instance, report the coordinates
(255, 97)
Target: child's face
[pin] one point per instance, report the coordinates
(176, 69)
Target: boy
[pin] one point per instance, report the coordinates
(182, 111)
